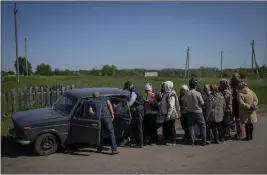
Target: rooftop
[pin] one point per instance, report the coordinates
(106, 91)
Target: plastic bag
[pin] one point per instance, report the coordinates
(254, 118)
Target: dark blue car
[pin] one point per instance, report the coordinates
(69, 121)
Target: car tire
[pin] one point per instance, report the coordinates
(46, 144)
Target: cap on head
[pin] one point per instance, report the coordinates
(193, 82)
(128, 85)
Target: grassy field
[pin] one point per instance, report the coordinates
(259, 86)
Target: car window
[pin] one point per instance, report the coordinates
(120, 106)
(92, 109)
(65, 103)
(80, 110)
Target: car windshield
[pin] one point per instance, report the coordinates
(65, 103)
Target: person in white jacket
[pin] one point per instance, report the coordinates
(170, 108)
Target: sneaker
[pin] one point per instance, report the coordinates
(221, 140)
(115, 152)
(216, 142)
(137, 146)
(170, 144)
(125, 141)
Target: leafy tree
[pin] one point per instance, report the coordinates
(113, 70)
(44, 69)
(108, 70)
(22, 66)
(57, 71)
(10, 72)
(95, 72)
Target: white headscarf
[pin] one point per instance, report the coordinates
(185, 87)
(148, 87)
(168, 86)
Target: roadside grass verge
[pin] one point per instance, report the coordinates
(258, 86)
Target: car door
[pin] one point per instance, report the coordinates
(122, 116)
(85, 124)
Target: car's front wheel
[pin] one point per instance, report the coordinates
(46, 144)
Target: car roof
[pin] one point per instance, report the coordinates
(104, 91)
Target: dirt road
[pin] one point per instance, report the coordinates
(229, 157)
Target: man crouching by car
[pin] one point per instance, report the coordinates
(136, 104)
(107, 118)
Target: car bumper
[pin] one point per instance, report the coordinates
(19, 139)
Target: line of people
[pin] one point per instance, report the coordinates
(215, 110)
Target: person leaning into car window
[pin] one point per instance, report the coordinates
(107, 117)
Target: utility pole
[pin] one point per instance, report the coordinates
(221, 64)
(252, 57)
(187, 63)
(26, 57)
(253, 60)
(16, 40)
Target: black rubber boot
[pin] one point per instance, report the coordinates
(251, 132)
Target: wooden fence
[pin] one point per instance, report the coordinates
(30, 97)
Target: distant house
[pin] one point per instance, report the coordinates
(151, 74)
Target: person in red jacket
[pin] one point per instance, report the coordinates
(150, 125)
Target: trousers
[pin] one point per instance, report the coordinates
(137, 125)
(169, 131)
(107, 125)
(197, 118)
(249, 130)
(150, 128)
(217, 126)
(184, 124)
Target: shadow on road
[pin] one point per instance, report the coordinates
(82, 149)
(12, 150)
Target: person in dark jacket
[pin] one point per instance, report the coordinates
(235, 110)
(183, 119)
(227, 119)
(205, 96)
(136, 104)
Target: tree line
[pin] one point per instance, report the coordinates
(112, 70)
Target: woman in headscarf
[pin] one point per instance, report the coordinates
(248, 102)
(170, 108)
(151, 108)
(216, 112)
(227, 119)
(183, 119)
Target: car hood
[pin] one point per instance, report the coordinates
(32, 116)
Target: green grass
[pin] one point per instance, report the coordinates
(258, 86)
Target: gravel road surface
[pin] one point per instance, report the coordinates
(229, 157)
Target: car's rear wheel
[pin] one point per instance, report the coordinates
(46, 144)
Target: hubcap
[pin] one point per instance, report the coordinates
(47, 143)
